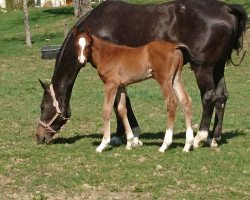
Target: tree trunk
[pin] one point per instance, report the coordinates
(26, 24)
(81, 7)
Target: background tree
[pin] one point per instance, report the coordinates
(26, 24)
(81, 7)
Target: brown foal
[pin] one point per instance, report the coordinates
(119, 66)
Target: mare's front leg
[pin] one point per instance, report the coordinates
(205, 81)
(110, 92)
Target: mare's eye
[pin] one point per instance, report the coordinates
(42, 107)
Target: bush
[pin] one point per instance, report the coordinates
(17, 4)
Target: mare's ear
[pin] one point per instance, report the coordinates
(75, 31)
(44, 85)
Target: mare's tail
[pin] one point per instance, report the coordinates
(189, 56)
(240, 13)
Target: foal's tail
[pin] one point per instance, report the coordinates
(189, 56)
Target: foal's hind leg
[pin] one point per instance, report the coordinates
(185, 102)
(110, 91)
(122, 112)
(171, 104)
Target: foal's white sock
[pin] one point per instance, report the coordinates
(103, 145)
(167, 140)
(189, 140)
(130, 137)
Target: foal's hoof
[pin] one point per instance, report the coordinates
(129, 147)
(136, 142)
(115, 141)
(98, 150)
(162, 149)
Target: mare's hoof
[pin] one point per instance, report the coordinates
(196, 144)
(211, 142)
(115, 141)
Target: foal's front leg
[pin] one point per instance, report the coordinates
(110, 92)
(122, 112)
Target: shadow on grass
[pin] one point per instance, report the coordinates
(148, 139)
(182, 135)
(75, 138)
(230, 135)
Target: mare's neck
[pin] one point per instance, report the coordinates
(65, 73)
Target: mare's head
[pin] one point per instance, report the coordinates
(83, 46)
(53, 115)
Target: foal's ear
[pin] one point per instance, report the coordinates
(44, 85)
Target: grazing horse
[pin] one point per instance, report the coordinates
(210, 29)
(119, 66)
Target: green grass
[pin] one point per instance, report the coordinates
(71, 169)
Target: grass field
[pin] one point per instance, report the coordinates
(70, 169)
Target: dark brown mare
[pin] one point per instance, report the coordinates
(211, 30)
(119, 66)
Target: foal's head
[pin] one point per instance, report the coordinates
(83, 42)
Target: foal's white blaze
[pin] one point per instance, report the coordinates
(167, 140)
(82, 43)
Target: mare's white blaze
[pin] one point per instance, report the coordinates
(201, 136)
(82, 43)
(167, 140)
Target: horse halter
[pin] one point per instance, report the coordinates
(47, 126)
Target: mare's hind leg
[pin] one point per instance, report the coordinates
(221, 98)
(171, 104)
(122, 112)
(110, 92)
(185, 102)
(205, 81)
